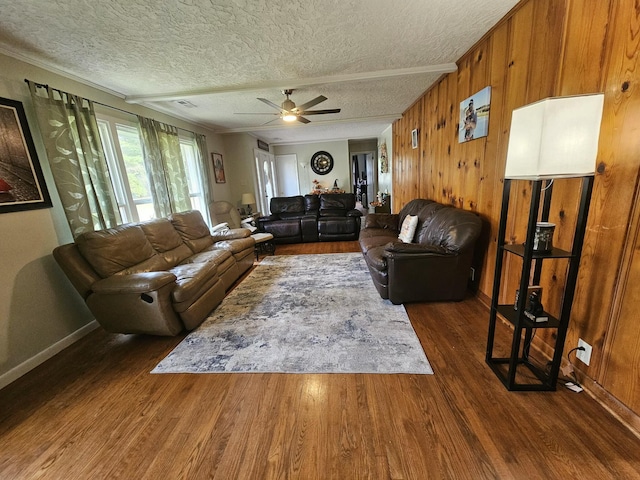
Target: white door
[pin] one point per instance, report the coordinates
(266, 175)
(287, 175)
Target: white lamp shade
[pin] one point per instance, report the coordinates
(555, 137)
(248, 199)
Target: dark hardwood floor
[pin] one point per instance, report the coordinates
(95, 412)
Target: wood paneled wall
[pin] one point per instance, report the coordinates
(547, 48)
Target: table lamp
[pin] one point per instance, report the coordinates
(248, 199)
(555, 138)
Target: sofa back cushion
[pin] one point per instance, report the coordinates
(287, 207)
(166, 240)
(193, 229)
(425, 216)
(311, 204)
(113, 250)
(452, 228)
(336, 204)
(413, 208)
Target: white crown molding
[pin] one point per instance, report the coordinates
(58, 71)
(295, 83)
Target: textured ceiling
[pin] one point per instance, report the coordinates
(371, 58)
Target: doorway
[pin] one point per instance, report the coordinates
(364, 178)
(287, 175)
(266, 176)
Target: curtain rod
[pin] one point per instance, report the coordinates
(44, 85)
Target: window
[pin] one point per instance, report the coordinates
(195, 176)
(123, 149)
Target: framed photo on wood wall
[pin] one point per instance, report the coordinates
(22, 185)
(218, 168)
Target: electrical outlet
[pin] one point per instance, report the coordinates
(472, 274)
(583, 355)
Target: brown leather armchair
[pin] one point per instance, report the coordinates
(434, 266)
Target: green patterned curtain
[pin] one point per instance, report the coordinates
(205, 177)
(72, 140)
(165, 168)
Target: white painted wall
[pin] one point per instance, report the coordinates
(339, 150)
(40, 311)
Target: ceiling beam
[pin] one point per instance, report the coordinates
(278, 126)
(294, 83)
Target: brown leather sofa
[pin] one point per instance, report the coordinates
(434, 266)
(311, 218)
(156, 277)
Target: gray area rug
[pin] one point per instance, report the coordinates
(303, 314)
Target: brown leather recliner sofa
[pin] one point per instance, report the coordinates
(156, 277)
(434, 266)
(311, 218)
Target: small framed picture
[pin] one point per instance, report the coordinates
(22, 185)
(414, 138)
(218, 168)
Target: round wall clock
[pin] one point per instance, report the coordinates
(322, 162)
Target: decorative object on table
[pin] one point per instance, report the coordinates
(384, 160)
(248, 199)
(549, 140)
(317, 187)
(321, 162)
(269, 323)
(414, 138)
(543, 237)
(218, 168)
(474, 116)
(22, 185)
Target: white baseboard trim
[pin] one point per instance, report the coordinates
(28, 365)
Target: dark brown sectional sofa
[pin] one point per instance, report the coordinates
(312, 218)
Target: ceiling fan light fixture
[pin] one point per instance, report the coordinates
(289, 117)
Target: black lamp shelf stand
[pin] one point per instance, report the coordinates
(506, 367)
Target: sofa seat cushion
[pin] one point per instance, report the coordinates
(113, 250)
(212, 255)
(367, 243)
(190, 279)
(378, 232)
(337, 225)
(235, 246)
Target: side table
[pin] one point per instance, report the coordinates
(264, 244)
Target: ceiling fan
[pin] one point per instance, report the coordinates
(289, 112)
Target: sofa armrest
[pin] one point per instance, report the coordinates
(133, 283)
(231, 234)
(382, 220)
(415, 248)
(354, 213)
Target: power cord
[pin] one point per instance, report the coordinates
(569, 370)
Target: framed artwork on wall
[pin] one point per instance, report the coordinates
(218, 168)
(414, 138)
(22, 185)
(474, 116)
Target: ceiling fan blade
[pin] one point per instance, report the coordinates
(302, 119)
(255, 113)
(322, 112)
(271, 121)
(310, 103)
(270, 103)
